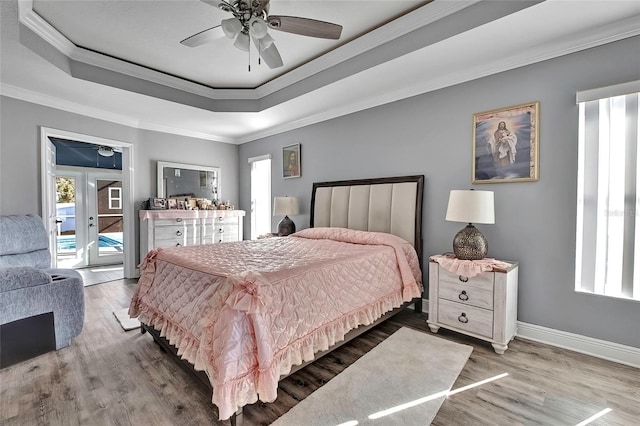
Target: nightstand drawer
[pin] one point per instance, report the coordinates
(467, 318)
(485, 279)
(472, 293)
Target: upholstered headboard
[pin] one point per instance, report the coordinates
(392, 205)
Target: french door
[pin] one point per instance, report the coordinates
(90, 219)
(105, 220)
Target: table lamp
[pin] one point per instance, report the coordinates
(285, 206)
(471, 207)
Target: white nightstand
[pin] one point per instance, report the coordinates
(483, 306)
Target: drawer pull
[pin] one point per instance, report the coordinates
(179, 219)
(220, 219)
(463, 279)
(463, 318)
(178, 244)
(221, 230)
(219, 241)
(179, 233)
(463, 296)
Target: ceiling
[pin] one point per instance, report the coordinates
(122, 61)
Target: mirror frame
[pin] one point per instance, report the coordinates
(163, 164)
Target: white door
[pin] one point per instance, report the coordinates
(70, 205)
(105, 220)
(49, 213)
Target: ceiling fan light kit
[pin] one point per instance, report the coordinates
(258, 27)
(242, 42)
(231, 27)
(251, 20)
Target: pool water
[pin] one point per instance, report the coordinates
(68, 242)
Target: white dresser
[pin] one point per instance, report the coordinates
(483, 306)
(174, 228)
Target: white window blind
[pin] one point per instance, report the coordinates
(608, 230)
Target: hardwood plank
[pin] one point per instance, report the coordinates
(111, 377)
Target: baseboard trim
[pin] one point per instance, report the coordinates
(622, 354)
(627, 355)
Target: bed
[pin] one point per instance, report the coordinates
(243, 315)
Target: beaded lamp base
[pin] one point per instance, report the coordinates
(286, 227)
(470, 244)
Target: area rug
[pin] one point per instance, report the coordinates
(126, 322)
(402, 381)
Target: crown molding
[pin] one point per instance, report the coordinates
(422, 16)
(587, 39)
(100, 114)
(607, 34)
(399, 27)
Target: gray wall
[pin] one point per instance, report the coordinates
(431, 134)
(20, 154)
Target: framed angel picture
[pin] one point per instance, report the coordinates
(505, 144)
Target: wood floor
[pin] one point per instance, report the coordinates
(111, 377)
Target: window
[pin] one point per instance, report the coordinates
(115, 198)
(607, 226)
(260, 195)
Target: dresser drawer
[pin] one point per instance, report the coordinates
(176, 242)
(228, 220)
(467, 318)
(175, 222)
(471, 292)
(220, 233)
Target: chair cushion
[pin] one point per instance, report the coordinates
(21, 277)
(24, 241)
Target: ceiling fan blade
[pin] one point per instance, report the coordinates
(270, 55)
(305, 26)
(203, 37)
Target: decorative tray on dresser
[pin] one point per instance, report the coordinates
(483, 306)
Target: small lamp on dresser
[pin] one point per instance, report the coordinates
(470, 206)
(285, 206)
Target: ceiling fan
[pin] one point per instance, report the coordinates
(251, 20)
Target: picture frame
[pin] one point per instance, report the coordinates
(505, 144)
(172, 204)
(291, 161)
(157, 203)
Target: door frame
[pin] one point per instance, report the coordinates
(129, 239)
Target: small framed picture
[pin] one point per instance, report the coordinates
(172, 203)
(181, 205)
(291, 161)
(505, 144)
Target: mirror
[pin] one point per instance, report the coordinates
(188, 180)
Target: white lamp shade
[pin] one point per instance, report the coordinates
(284, 206)
(242, 42)
(231, 27)
(258, 27)
(470, 206)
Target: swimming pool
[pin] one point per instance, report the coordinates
(68, 242)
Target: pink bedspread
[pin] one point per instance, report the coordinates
(246, 312)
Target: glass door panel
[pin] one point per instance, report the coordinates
(106, 221)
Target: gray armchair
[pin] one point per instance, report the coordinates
(41, 309)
